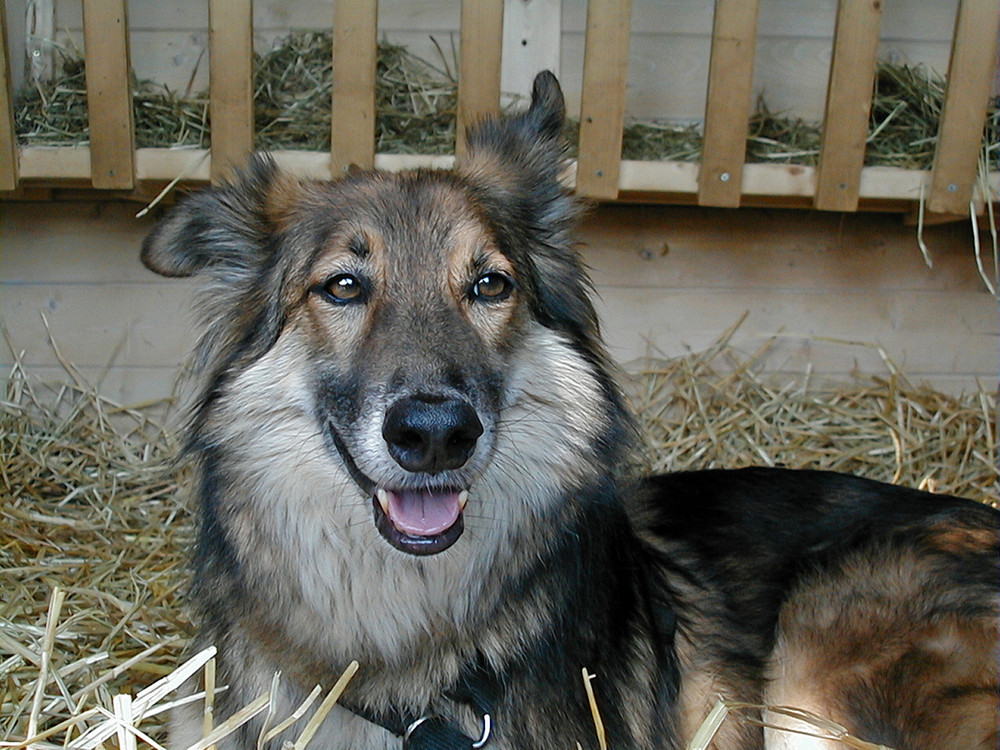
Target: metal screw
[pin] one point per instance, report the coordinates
(599, 172)
(953, 188)
(724, 177)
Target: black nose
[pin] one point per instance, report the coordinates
(431, 434)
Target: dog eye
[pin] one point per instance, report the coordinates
(492, 287)
(344, 288)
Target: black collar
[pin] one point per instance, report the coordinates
(478, 687)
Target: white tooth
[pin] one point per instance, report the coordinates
(383, 499)
(463, 498)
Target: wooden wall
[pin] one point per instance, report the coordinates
(670, 280)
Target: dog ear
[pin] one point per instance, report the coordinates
(230, 233)
(515, 165)
(530, 144)
(221, 226)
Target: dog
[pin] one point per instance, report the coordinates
(410, 451)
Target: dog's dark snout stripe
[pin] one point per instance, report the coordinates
(431, 435)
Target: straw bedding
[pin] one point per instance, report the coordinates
(92, 557)
(416, 103)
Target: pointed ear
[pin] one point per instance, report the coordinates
(224, 225)
(499, 149)
(514, 164)
(547, 113)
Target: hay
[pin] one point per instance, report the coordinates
(92, 561)
(712, 409)
(416, 103)
(54, 113)
(88, 506)
(783, 718)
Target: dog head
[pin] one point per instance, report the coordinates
(422, 340)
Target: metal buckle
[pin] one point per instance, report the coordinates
(410, 729)
(477, 745)
(487, 726)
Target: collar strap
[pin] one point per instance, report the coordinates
(478, 687)
(434, 733)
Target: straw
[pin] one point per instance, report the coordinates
(714, 409)
(416, 101)
(92, 517)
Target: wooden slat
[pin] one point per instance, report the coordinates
(8, 140)
(848, 104)
(109, 94)
(479, 65)
(355, 52)
(602, 105)
(230, 27)
(730, 81)
(970, 79)
(532, 32)
(882, 188)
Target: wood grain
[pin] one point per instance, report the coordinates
(730, 81)
(231, 84)
(109, 94)
(479, 65)
(355, 51)
(848, 104)
(970, 81)
(8, 140)
(602, 103)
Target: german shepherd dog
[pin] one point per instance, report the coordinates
(411, 451)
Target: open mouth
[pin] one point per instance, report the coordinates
(420, 522)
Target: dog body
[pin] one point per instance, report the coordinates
(411, 453)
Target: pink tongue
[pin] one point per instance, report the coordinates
(423, 513)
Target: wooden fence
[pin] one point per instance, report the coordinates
(839, 182)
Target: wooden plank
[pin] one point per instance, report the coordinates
(664, 249)
(953, 333)
(109, 94)
(667, 182)
(602, 104)
(230, 29)
(8, 139)
(93, 323)
(355, 51)
(970, 80)
(730, 82)
(532, 32)
(38, 28)
(848, 104)
(478, 65)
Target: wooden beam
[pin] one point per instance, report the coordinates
(355, 53)
(970, 79)
(8, 138)
(730, 81)
(230, 29)
(479, 65)
(602, 104)
(662, 181)
(848, 104)
(109, 94)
